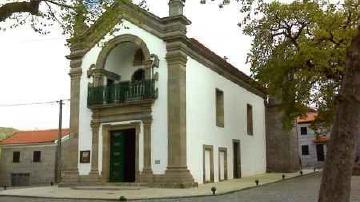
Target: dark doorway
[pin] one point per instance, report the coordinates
(20, 179)
(320, 152)
(122, 156)
(236, 159)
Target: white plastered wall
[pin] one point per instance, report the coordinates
(159, 126)
(201, 83)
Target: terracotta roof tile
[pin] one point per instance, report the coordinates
(309, 117)
(32, 137)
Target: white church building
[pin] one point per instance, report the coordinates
(150, 105)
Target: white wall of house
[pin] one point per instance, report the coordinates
(201, 83)
(159, 124)
(311, 159)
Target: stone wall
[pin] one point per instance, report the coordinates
(281, 144)
(41, 173)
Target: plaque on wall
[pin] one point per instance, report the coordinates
(85, 156)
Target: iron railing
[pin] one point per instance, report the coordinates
(121, 92)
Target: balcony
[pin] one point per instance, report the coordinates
(122, 93)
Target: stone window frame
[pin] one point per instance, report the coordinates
(211, 149)
(219, 108)
(303, 153)
(223, 149)
(301, 130)
(14, 159)
(249, 119)
(37, 159)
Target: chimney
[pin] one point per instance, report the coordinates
(176, 7)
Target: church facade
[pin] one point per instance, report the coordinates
(150, 105)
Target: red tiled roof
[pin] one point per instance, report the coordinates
(309, 117)
(321, 139)
(31, 137)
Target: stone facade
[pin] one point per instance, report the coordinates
(40, 173)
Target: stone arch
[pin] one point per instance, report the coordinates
(110, 45)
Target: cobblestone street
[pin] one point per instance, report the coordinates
(303, 189)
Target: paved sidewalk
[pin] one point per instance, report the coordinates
(114, 192)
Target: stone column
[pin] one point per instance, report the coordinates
(177, 173)
(147, 174)
(70, 173)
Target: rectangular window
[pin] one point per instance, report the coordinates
(303, 130)
(249, 113)
(16, 157)
(305, 150)
(37, 156)
(219, 108)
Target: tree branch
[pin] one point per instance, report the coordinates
(31, 7)
(8, 9)
(60, 4)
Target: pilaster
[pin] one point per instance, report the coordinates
(70, 173)
(177, 173)
(147, 174)
(94, 177)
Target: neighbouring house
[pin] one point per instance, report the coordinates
(29, 157)
(312, 146)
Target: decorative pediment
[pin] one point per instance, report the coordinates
(123, 10)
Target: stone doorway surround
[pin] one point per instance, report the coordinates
(106, 132)
(118, 117)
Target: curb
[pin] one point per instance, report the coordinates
(164, 198)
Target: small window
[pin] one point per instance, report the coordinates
(303, 130)
(37, 156)
(219, 102)
(305, 150)
(250, 127)
(139, 58)
(16, 157)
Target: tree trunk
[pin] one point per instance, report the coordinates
(336, 180)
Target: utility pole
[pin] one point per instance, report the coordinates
(58, 148)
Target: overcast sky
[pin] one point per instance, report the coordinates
(33, 67)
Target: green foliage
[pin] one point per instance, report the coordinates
(6, 132)
(299, 50)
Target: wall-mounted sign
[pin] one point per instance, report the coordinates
(85, 156)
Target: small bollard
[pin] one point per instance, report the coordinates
(5, 187)
(314, 169)
(257, 182)
(301, 172)
(122, 198)
(213, 190)
(283, 176)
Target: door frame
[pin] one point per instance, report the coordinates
(238, 160)
(106, 132)
(223, 149)
(211, 149)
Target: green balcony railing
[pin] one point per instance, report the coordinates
(122, 92)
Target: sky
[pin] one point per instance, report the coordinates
(33, 67)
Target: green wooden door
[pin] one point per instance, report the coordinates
(117, 156)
